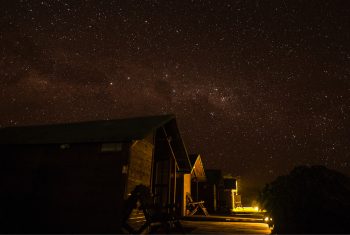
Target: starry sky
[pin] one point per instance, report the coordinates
(257, 86)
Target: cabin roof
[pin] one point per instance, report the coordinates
(197, 169)
(118, 130)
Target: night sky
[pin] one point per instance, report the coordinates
(257, 87)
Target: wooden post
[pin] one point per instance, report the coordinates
(197, 191)
(214, 191)
(186, 189)
(174, 194)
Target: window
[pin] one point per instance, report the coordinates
(111, 147)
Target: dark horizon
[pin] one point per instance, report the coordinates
(257, 87)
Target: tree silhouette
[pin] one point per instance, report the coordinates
(309, 200)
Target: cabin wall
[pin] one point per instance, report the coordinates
(140, 164)
(195, 190)
(212, 195)
(227, 201)
(206, 194)
(55, 188)
(139, 172)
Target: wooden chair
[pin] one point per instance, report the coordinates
(156, 220)
(193, 206)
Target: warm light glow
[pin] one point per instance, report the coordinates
(267, 219)
(248, 209)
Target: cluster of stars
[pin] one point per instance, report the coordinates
(258, 87)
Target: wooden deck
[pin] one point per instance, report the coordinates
(214, 227)
(221, 218)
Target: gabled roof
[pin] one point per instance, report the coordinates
(94, 131)
(197, 170)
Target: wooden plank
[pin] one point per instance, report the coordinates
(140, 164)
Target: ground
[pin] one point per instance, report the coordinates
(213, 227)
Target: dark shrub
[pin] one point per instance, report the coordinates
(309, 200)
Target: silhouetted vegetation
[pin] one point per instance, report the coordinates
(309, 200)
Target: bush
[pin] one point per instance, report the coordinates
(309, 200)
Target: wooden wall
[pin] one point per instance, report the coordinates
(140, 164)
(56, 188)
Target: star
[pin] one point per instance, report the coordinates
(257, 88)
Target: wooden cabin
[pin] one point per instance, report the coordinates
(211, 191)
(231, 198)
(74, 178)
(191, 180)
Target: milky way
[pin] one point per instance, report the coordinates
(258, 87)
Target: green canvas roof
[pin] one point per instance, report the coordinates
(95, 131)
